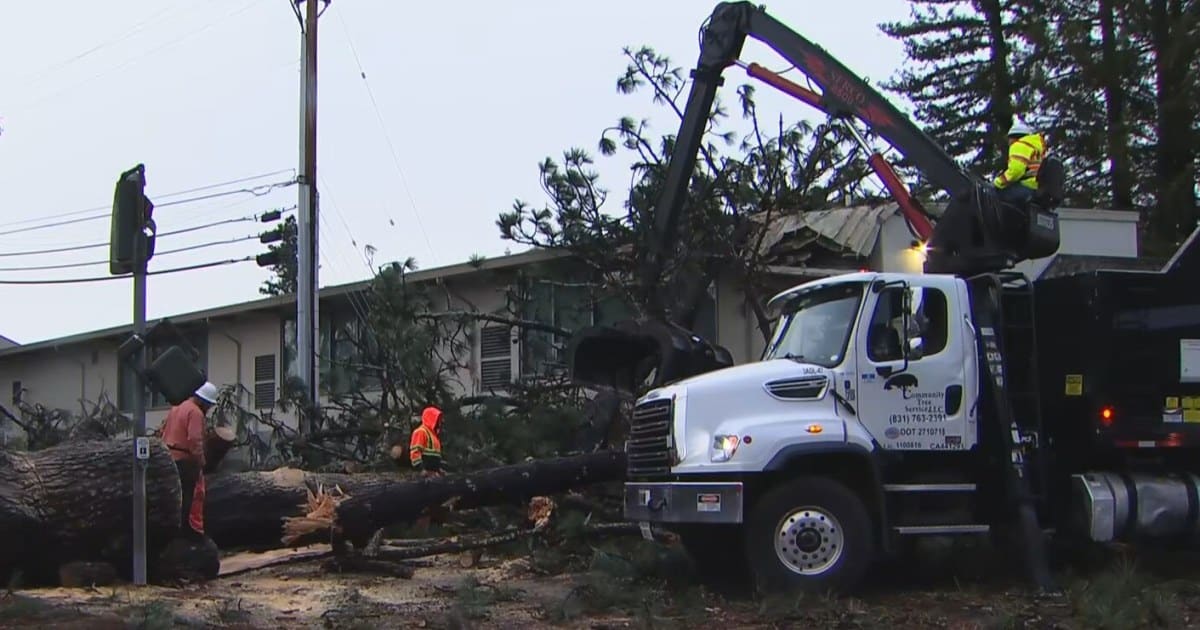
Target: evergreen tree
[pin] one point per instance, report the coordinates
(1093, 93)
(969, 72)
(283, 272)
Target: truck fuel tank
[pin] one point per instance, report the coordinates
(1108, 506)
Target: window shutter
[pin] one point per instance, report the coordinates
(495, 357)
(264, 381)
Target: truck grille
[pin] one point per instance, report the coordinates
(648, 450)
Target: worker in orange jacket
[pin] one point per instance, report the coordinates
(425, 447)
(183, 433)
(425, 454)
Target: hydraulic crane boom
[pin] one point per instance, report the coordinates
(975, 233)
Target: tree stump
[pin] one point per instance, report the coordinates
(74, 503)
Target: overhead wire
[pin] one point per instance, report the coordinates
(160, 272)
(194, 32)
(253, 191)
(386, 135)
(34, 77)
(194, 228)
(231, 182)
(157, 253)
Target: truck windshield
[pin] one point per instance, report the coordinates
(815, 325)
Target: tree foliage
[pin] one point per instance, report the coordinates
(42, 426)
(1112, 83)
(284, 270)
(739, 184)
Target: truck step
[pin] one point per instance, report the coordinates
(928, 487)
(918, 530)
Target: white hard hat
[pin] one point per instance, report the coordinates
(208, 393)
(1020, 129)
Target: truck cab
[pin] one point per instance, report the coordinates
(859, 366)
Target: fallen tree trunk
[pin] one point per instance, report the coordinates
(74, 503)
(376, 504)
(248, 509)
(251, 510)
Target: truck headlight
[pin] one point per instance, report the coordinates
(723, 447)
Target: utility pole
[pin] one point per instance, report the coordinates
(307, 286)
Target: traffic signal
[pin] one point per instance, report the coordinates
(131, 215)
(284, 231)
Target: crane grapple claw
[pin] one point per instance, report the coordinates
(631, 356)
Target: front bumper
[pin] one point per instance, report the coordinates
(684, 502)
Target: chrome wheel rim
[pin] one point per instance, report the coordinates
(808, 541)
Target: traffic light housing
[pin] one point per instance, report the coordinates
(131, 216)
(277, 235)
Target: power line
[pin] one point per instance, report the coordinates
(218, 263)
(172, 42)
(265, 188)
(105, 262)
(194, 228)
(105, 215)
(231, 182)
(386, 135)
(137, 28)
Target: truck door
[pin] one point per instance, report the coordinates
(915, 374)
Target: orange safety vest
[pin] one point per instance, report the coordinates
(425, 450)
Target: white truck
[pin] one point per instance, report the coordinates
(889, 405)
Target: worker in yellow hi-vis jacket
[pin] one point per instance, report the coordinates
(1026, 149)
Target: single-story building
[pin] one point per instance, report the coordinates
(252, 344)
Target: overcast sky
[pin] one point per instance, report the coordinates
(472, 97)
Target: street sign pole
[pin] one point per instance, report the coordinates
(141, 456)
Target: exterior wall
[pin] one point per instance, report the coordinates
(59, 378)
(894, 252)
(1091, 233)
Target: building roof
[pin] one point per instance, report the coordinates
(5, 342)
(421, 275)
(853, 230)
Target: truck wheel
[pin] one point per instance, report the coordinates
(810, 534)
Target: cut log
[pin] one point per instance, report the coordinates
(377, 504)
(247, 510)
(74, 503)
(217, 442)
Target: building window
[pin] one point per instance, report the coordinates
(495, 357)
(16, 392)
(264, 381)
(128, 383)
(341, 338)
